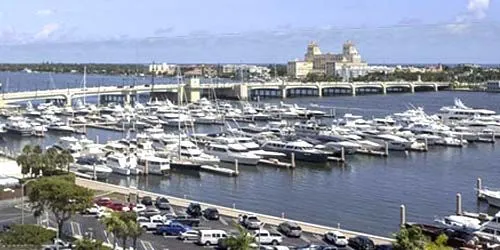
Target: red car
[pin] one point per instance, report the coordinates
(103, 201)
(116, 206)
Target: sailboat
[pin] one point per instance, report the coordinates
(178, 162)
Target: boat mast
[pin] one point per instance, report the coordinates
(179, 104)
(84, 85)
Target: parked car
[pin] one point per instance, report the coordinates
(172, 229)
(337, 238)
(290, 229)
(103, 201)
(104, 212)
(94, 209)
(137, 208)
(162, 203)
(383, 247)
(187, 220)
(265, 237)
(249, 221)
(211, 214)
(361, 243)
(194, 209)
(211, 237)
(150, 223)
(189, 235)
(147, 201)
(316, 247)
(150, 211)
(117, 206)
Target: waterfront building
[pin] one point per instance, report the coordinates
(162, 68)
(299, 69)
(493, 86)
(346, 64)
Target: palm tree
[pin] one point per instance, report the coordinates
(410, 238)
(242, 241)
(66, 159)
(113, 224)
(22, 160)
(134, 231)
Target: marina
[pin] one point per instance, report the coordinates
(375, 148)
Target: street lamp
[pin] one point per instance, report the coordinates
(22, 199)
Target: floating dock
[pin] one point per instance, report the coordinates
(219, 170)
(275, 163)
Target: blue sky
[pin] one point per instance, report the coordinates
(219, 31)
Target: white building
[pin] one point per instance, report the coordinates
(299, 69)
(163, 68)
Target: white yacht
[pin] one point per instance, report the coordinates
(492, 196)
(301, 150)
(189, 151)
(61, 127)
(459, 111)
(92, 166)
(490, 231)
(153, 165)
(459, 222)
(122, 164)
(233, 152)
(19, 126)
(393, 142)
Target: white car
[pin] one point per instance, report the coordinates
(139, 208)
(265, 237)
(150, 223)
(189, 235)
(103, 212)
(337, 238)
(94, 209)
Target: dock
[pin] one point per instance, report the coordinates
(219, 170)
(272, 162)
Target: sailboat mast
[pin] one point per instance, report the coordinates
(179, 104)
(84, 85)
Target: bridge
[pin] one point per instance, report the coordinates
(193, 90)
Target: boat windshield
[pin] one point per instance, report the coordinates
(238, 150)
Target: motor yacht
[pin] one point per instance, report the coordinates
(122, 164)
(302, 150)
(150, 164)
(232, 152)
(459, 222)
(459, 111)
(92, 166)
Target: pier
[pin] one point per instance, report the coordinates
(230, 212)
(194, 90)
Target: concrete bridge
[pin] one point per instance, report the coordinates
(193, 90)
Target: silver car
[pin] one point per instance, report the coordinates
(290, 229)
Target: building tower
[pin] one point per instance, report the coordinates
(312, 50)
(350, 53)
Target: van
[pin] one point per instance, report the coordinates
(210, 237)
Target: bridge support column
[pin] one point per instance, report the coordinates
(412, 88)
(192, 90)
(436, 87)
(384, 89)
(283, 92)
(126, 99)
(320, 91)
(241, 91)
(353, 90)
(68, 102)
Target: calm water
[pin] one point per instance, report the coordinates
(364, 194)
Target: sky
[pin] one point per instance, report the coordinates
(248, 31)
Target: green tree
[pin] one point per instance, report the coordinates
(134, 232)
(438, 244)
(32, 235)
(114, 224)
(410, 238)
(59, 195)
(242, 241)
(89, 244)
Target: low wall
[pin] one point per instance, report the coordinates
(270, 220)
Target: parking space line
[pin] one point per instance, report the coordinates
(203, 218)
(147, 245)
(304, 238)
(223, 221)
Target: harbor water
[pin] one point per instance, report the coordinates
(364, 194)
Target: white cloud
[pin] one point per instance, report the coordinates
(46, 31)
(478, 8)
(44, 12)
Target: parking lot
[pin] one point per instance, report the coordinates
(89, 225)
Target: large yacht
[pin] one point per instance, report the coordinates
(302, 150)
(122, 164)
(233, 152)
(459, 111)
(91, 166)
(153, 165)
(490, 231)
(19, 126)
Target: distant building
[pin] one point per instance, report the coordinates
(299, 69)
(163, 68)
(493, 86)
(347, 64)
